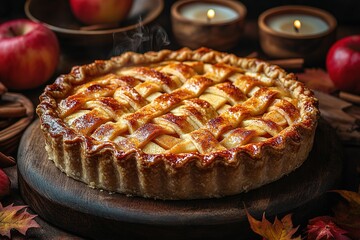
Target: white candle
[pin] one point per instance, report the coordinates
(310, 25)
(198, 12)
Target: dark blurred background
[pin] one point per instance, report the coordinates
(346, 11)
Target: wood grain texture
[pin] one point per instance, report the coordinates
(73, 206)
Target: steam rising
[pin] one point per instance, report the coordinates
(141, 40)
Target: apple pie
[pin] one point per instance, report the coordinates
(178, 124)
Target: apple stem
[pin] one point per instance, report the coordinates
(12, 31)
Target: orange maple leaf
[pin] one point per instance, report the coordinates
(11, 217)
(279, 230)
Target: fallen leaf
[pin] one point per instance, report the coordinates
(279, 230)
(347, 214)
(353, 199)
(12, 217)
(317, 79)
(324, 228)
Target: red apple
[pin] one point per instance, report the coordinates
(100, 11)
(29, 54)
(343, 64)
(4, 184)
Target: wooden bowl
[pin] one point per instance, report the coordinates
(220, 36)
(57, 15)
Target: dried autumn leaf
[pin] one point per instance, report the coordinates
(11, 217)
(347, 215)
(280, 230)
(317, 79)
(353, 199)
(324, 228)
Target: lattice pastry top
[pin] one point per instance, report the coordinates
(168, 110)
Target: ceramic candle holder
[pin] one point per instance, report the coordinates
(193, 28)
(279, 38)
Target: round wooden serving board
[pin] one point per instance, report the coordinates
(71, 205)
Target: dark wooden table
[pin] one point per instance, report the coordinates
(248, 44)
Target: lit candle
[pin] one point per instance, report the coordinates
(297, 25)
(210, 14)
(297, 32)
(306, 24)
(215, 24)
(200, 12)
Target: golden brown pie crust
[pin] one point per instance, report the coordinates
(178, 124)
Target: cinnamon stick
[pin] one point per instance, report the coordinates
(15, 97)
(6, 161)
(349, 97)
(14, 129)
(12, 112)
(5, 123)
(252, 55)
(10, 104)
(16, 112)
(292, 63)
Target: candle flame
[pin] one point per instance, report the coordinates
(210, 14)
(297, 25)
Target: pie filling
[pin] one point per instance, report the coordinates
(178, 124)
